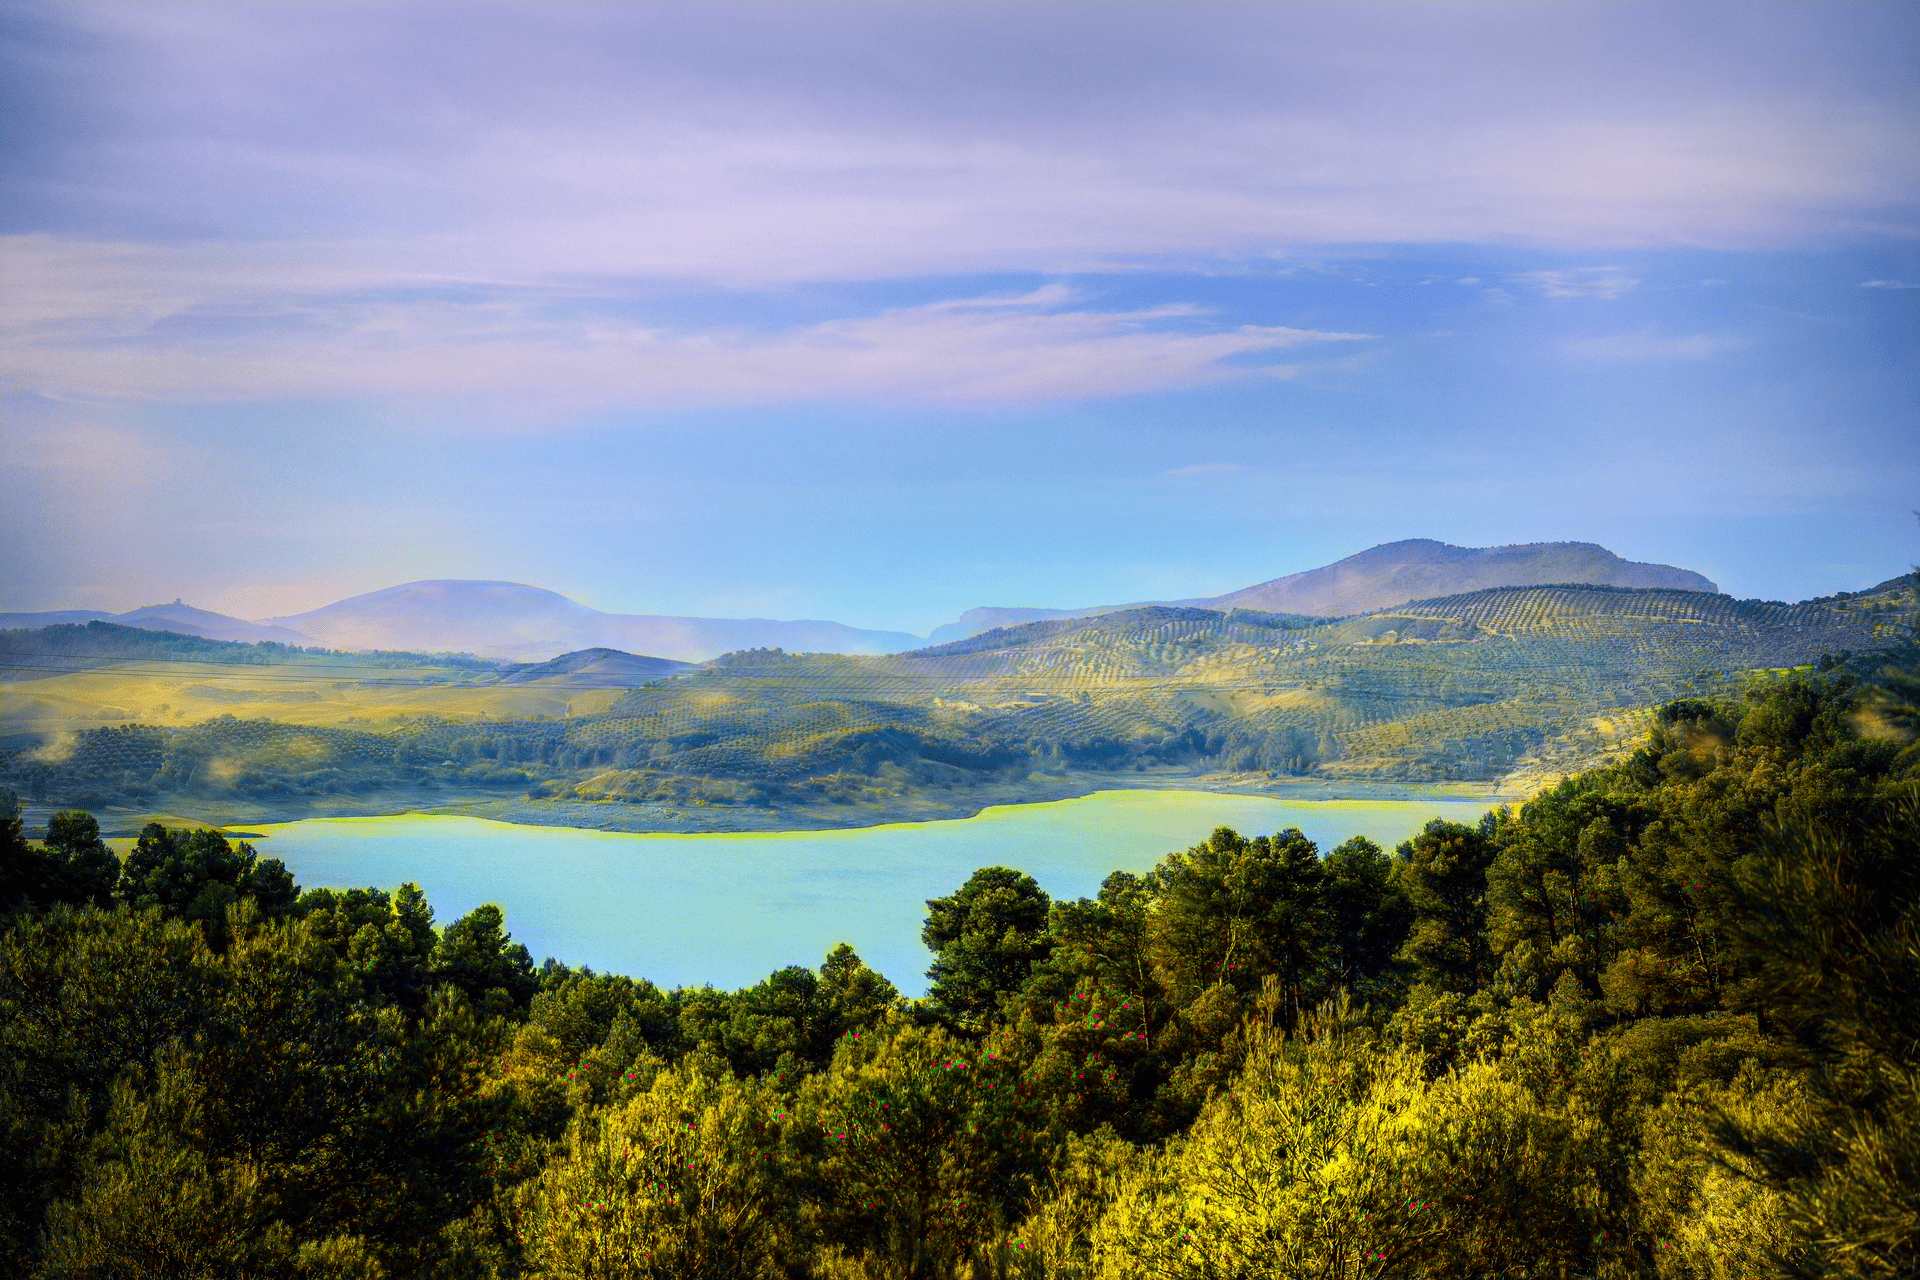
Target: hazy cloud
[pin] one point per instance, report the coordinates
(1580, 282)
(1888, 284)
(761, 143)
(526, 353)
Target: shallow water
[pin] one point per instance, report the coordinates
(729, 909)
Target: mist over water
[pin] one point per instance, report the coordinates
(728, 909)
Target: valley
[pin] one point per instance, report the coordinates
(1485, 693)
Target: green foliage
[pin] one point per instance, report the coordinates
(72, 865)
(921, 1146)
(1443, 874)
(986, 939)
(1334, 1156)
(171, 1105)
(477, 955)
(690, 1180)
(1233, 911)
(198, 874)
(1367, 918)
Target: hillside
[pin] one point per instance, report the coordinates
(596, 669)
(512, 621)
(1384, 576)
(1509, 685)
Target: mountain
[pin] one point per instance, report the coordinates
(597, 669)
(513, 621)
(177, 617)
(1422, 569)
(188, 620)
(1526, 681)
(1384, 576)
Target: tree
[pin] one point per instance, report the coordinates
(688, 1181)
(198, 874)
(1830, 930)
(986, 939)
(1443, 872)
(90, 868)
(1233, 911)
(25, 872)
(921, 1145)
(1367, 914)
(479, 956)
(856, 997)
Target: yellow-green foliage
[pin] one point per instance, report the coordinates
(1334, 1155)
(687, 1180)
(1709, 1214)
(926, 1145)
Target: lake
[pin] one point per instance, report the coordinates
(729, 909)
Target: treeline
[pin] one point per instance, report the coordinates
(110, 640)
(266, 760)
(1660, 1021)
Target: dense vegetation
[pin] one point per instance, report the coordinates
(1662, 1020)
(1543, 680)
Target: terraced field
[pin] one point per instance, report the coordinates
(1464, 688)
(1516, 683)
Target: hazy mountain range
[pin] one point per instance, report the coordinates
(521, 623)
(177, 617)
(516, 622)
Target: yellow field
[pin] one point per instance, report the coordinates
(187, 693)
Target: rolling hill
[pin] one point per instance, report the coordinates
(1506, 685)
(1420, 568)
(1388, 575)
(596, 669)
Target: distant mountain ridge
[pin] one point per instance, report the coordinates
(515, 622)
(177, 617)
(1382, 577)
(510, 620)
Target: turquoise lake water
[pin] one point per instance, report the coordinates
(730, 909)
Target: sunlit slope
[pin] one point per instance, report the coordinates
(1460, 687)
(1505, 683)
(182, 693)
(65, 678)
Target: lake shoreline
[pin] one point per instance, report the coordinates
(728, 908)
(930, 805)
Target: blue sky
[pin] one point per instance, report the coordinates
(878, 312)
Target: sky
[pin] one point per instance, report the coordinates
(878, 312)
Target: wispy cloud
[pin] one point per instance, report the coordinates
(1888, 284)
(1647, 345)
(155, 341)
(1580, 282)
